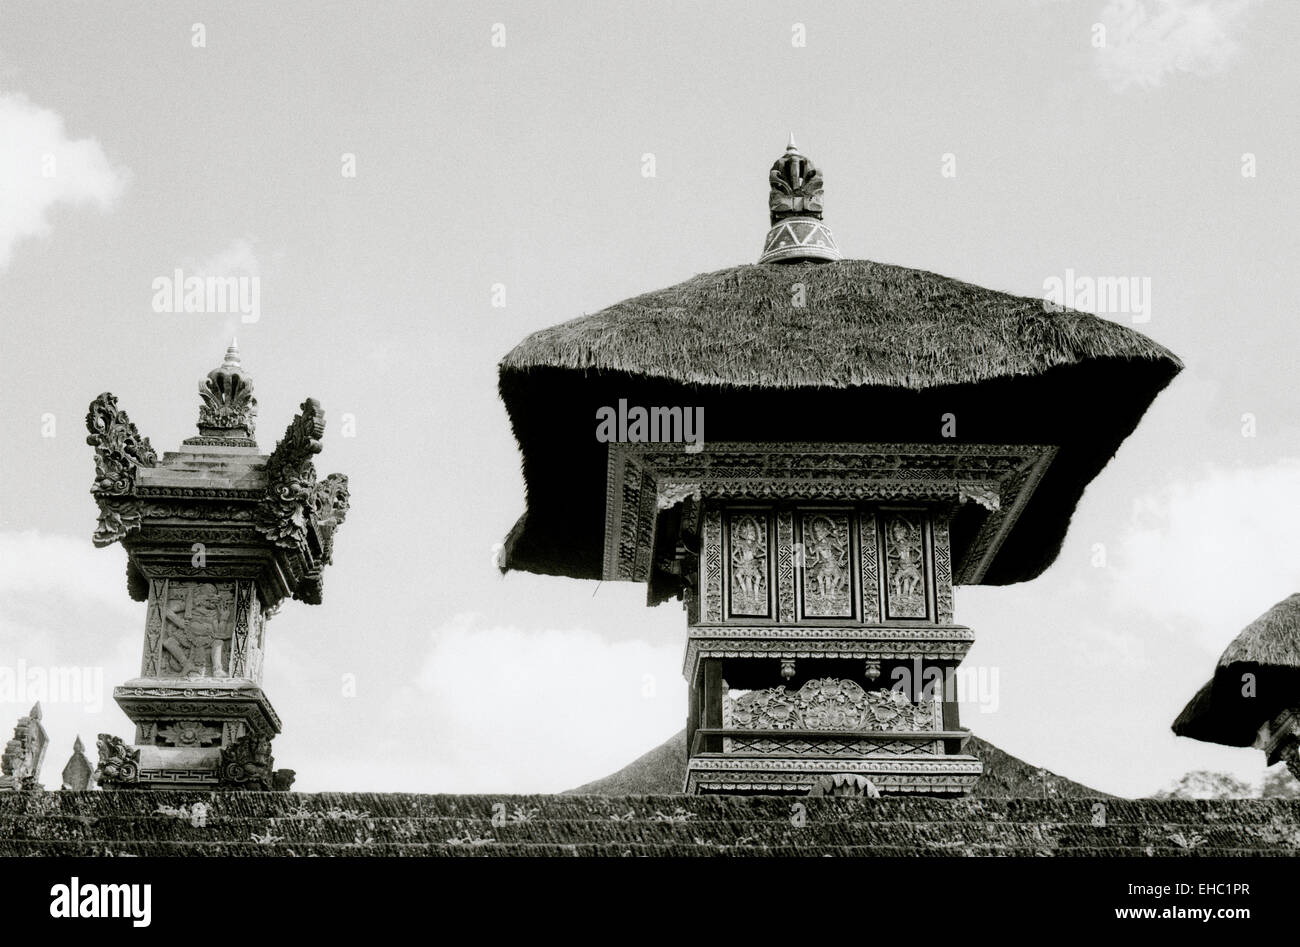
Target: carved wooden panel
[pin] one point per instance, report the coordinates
(827, 582)
(711, 564)
(829, 704)
(870, 555)
(748, 585)
(905, 592)
(942, 569)
(785, 552)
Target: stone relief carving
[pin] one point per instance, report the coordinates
(905, 563)
(826, 565)
(748, 574)
(246, 763)
(829, 704)
(190, 629)
(188, 733)
(119, 764)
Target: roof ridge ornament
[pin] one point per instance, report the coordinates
(228, 412)
(795, 206)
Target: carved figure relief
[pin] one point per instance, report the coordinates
(905, 561)
(191, 627)
(826, 566)
(829, 704)
(749, 594)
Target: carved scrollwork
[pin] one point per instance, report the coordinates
(119, 447)
(829, 704)
(119, 764)
(291, 478)
(117, 517)
(246, 764)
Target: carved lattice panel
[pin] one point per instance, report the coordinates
(827, 581)
(748, 583)
(905, 587)
(942, 570)
(785, 566)
(870, 555)
(711, 563)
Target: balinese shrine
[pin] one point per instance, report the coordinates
(217, 536)
(811, 452)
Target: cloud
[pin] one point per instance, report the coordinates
(41, 167)
(1148, 40)
(1214, 554)
(238, 259)
(538, 710)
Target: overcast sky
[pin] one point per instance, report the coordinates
(522, 164)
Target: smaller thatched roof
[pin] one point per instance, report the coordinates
(1231, 707)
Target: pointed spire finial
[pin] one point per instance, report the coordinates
(792, 147)
(78, 746)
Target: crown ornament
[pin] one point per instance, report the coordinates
(795, 206)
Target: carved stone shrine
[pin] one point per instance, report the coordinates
(217, 536)
(20, 767)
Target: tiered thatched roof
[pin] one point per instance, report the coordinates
(850, 351)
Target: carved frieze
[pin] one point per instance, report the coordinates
(785, 565)
(825, 553)
(942, 568)
(905, 565)
(712, 565)
(829, 704)
(816, 473)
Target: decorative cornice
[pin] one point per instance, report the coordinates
(997, 477)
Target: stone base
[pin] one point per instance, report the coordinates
(167, 767)
(890, 775)
(198, 714)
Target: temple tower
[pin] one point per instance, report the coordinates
(217, 536)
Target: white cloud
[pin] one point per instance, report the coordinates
(1148, 40)
(524, 710)
(41, 167)
(1214, 554)
(236, 260)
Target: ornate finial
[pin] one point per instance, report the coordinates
(228, 410)
(795, 206)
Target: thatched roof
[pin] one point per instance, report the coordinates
(862, 323)
(876, 353)
(1268, 649)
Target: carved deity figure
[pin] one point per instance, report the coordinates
(197, 629)
(826, 557)
(905, 562)
(748, 561)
